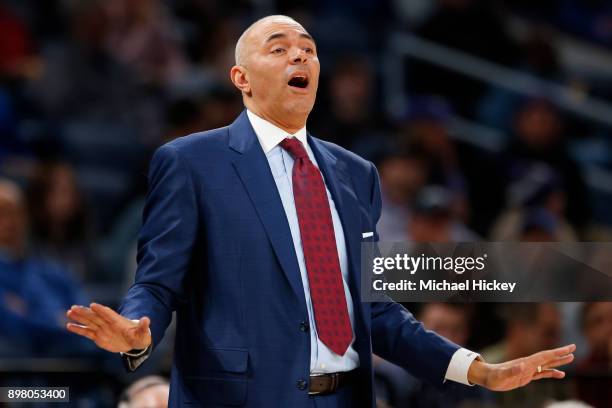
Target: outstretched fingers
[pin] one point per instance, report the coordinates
(549, 373)
(550, 356)
(559, 361)
(81, 330)
(107, 314)
(85, 316)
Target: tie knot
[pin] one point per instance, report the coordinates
(294, 147)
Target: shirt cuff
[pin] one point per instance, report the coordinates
(135, 352)
(459, 365)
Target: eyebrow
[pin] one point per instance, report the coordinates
(282, 35)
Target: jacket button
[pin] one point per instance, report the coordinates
(303, 327)
(301, 385)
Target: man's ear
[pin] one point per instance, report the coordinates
(239, 77)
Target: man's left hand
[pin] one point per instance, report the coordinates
(520, 372)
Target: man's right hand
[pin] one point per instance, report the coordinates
(108, 329)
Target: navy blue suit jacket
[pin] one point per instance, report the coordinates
(215, 247)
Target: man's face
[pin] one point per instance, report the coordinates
(401, 178)
(430, 227)
(549, 326)
(450, 322)
(282, 69)
(598, 327)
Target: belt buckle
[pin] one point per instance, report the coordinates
(335, 381)
(315, 392)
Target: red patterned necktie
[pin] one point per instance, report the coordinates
(320, 252)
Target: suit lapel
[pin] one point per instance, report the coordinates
(254, 172)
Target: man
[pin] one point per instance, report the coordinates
(259, 257)
(593, 382)
(34, 290)
(400, 389)
(528, 327)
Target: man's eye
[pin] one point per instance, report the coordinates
(309, 50)
(277, 50)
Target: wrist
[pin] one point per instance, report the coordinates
(478, 372)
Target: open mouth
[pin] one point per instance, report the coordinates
(298, 81)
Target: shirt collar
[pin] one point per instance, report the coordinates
(270, 135)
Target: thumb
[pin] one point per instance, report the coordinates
(144, 322)
(143, 326)
(138, 335)
(138, 329)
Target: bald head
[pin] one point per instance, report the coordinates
(149, 391)
(277, 71)
(244, 43)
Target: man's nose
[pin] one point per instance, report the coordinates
(299, 56)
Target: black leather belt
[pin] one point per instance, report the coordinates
(321, 384)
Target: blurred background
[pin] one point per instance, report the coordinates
(487, 120)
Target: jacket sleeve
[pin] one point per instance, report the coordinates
(397, 336)
(165, 244)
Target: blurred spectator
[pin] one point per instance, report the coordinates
(433, 218)
(468, 171)
(83, 82)
(61, 226)
(401, 176)
(451, 320)
(348, 113)
(116, 251)
(530, 327)
(220, 106)
(540, 57)
(148, 392)
(401, 389)
(184, 116)
(80, 76)
(208, 31)
(16, 46)
(455, 21)
(539, 225)
(424, 131)
(591, 19)
(537, 197)
(141, 36)
(473, 26)
(594, 373)
(539, 139)
(567, 404)
(35, 292)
